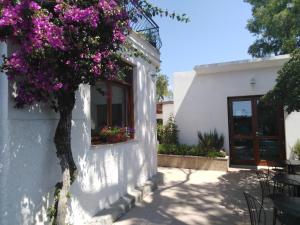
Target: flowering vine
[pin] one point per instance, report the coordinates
(61, 44)
(56, 46)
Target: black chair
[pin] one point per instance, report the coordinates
(266, 190)
(277, 168)
(270, 190)
(256, 210)
(292, 188)
(290, 167)
(297, 170)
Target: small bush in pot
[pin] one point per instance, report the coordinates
(115, 134)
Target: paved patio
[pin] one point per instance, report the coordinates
(196, 198)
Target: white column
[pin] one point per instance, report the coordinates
(4, 151)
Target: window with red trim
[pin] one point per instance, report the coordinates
(112, 110)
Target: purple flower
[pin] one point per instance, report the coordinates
(119, 36)
(34, 6)
(45, 33)
(107, 6)
(96, 71)
(62, 47)
(89, 16)
(58, 86)
(17, 63)
(10, 16)
(97, 57)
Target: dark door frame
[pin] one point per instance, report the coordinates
(253, 136)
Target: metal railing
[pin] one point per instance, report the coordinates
(144, 25)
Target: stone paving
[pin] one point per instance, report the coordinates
(196, 198)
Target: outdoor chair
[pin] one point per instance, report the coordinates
(292, 188)
(270, 190)
(297, 170)
(290, 168)
(277, 168)
(257, 212)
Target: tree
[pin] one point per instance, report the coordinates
(276, 24)
(287, 89)
(162, 90)
(61, 45)
(277, 27)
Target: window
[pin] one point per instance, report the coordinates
(159, 108)
(112, 110)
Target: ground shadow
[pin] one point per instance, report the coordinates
(197, 197)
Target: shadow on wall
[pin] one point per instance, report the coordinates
(31, 173)
(202, 106)
(104, 173)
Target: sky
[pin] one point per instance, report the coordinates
(217, 33)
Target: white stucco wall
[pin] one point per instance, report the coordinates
(168, 110)
(200, 97)
(29, 168)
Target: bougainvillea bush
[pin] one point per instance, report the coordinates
(60, 44)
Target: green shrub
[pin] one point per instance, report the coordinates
(210, 141)
(173, 149)
(296, 148)
(160, 133)
(193, 150)
(168, 134)
(215, 154)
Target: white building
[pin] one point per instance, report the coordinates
(164, 111)
(29, 168)
(225, 96)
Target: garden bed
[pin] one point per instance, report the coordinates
(193, 162)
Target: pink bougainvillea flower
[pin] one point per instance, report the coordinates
(61, 47)
(58, 86)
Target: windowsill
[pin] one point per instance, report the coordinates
(97, 146)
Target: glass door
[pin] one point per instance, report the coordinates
(241, 130)
(256, 132)
(269, 134)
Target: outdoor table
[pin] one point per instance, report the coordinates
(287, 180)
(289, 207)
(291, 165)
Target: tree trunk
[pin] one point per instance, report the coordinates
(62, 140)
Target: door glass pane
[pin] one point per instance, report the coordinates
(243, 150)
(242, 117)
(267, 120)
(119, 106)
(269, 150)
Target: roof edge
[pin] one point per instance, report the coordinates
(239, 65)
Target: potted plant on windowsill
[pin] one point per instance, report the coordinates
(116, 134)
